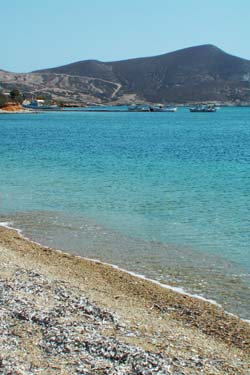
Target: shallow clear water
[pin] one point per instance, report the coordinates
(162, 194)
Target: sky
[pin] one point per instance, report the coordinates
(49, 33)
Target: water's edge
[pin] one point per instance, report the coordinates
(8, 225)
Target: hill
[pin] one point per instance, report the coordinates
(201, 73)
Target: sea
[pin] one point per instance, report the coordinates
(163, 195)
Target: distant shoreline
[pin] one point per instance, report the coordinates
(97, 109)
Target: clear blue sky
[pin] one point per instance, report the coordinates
(48, 33)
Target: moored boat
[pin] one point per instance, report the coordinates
(203, 108)
(160, 108)
(151, 108)
(138, 108)
(170, 109)
(38, 104)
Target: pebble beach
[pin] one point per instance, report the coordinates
(62, 314)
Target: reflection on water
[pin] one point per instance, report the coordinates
(197, 272)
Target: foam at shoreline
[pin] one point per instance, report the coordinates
(180, 290)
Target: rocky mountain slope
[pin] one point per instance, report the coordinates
(202, 73)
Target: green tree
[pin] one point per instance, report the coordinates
(16, 96)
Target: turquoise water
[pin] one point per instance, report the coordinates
(161, 194)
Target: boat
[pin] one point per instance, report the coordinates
(138, 108)
(203, 108)
(160, 108)
(151, 108)
(156, 108)
(38, 104)
(170, 109)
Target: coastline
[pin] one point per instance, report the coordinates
(158, 319)
(21, 111)
(176, 289)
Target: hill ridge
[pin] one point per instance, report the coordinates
(192, 74)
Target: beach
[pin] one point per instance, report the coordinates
(62, 314)
(13, 108)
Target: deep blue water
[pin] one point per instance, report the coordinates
(163, 194)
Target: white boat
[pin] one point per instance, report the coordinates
(162, 109)
(138, 108)
(170, 109)
(203, 108)
(151, 108)
(38, 104)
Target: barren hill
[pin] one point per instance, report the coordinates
(202, 73)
